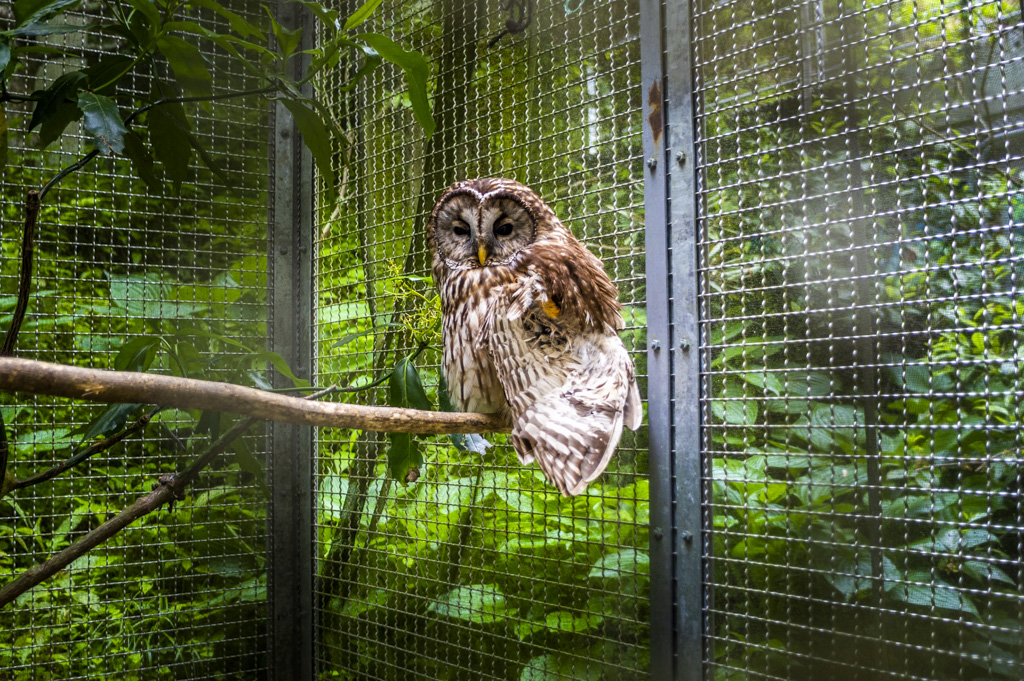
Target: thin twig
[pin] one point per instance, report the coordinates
(169, 489)
(89, 451)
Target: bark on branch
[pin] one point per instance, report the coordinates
(44, 378)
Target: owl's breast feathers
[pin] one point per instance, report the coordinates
(537, 338)
(466, 361)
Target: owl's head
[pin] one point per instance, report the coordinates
(487, 221)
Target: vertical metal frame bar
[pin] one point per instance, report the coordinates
(659, 381)
(290, 553)
(677, 612)
(688, 459)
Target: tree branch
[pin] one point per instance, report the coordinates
(43, 378)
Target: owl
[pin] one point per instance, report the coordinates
(529, 321)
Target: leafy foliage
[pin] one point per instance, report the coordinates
(136, 279)
(862, 413)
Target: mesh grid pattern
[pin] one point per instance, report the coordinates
(861, 211)
(181, 593)
(478, 570)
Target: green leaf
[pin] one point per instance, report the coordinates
(110, 421)
(251, 465)
(137, 354)
(171, 145)
(417, 75)
(238, 23)
(327, 16)
(187, 63)
(102, 76)
(561, 621)
(148, 10)
(62, 92)
(281, 365)
(33, 11)
(142, 161)
(985, 572)
(345, 340)
(403, 455)
(50, 438)
(479, 603)
(288, 39)
(937, 594)
(317, 140)
(209, 422)
(34, 30)
(626, 564)
(54, 126)
(103, 121)
(372, 61)
(556, 667)
(406, 388)
(362, 14)
(354, 607)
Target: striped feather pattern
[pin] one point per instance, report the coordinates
(531, 332)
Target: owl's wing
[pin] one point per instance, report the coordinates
(567, 280)
(569, 392)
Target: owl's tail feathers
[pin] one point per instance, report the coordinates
(571, 445)
(633, 410)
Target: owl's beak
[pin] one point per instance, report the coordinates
(481, 253)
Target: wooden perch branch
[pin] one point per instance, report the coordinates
(44, 378)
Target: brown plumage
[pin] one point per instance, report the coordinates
(529, 327)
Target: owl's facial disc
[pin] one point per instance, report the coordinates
(455, 230)
(505, 229)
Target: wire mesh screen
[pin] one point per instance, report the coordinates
(477, 569)
(861, 267)
(178, 595)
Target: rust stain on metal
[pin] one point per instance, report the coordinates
(654, 118)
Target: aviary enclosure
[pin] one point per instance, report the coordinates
(814, 215)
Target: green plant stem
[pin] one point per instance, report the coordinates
(25, 282)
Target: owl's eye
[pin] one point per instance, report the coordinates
(460, 229)
(504, 229)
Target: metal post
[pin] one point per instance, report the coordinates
(290, 553)
(677, 608)
(659, 352)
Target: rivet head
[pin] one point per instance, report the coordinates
(655, 345)
(652, 163)
(684, 345)
(658, 534)
(686, 536)
(681, 158)
(283, 250)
